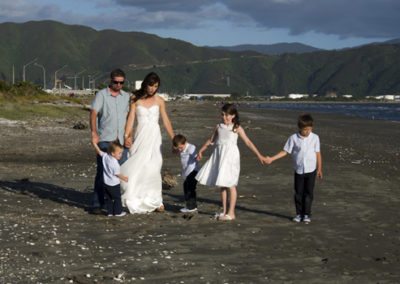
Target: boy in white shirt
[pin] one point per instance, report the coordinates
(304, 146)
(190, 168)
(112, 176)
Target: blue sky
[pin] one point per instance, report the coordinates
(328, 24)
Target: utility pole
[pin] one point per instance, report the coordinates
(44, 74)
(24, 67)
(13, 75)
(55, 76)
(75, 77)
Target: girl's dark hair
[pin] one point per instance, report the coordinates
(305, 120)
(150, 79)
(114, 145)
(231, 109)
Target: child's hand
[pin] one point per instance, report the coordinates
(124, 178)
(128, 142)
(199, 156)
(267, 160)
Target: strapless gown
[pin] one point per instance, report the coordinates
(143, 191)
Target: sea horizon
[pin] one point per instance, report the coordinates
(389, 111)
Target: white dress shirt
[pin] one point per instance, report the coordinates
(303, 151)
(111, 168)
(188, 160)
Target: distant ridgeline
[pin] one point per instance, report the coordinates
(90, 55)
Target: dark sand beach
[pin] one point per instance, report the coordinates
(47, 235)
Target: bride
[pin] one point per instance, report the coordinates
(143, 191)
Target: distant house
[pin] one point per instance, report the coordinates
(347, 96)
(383, 97)
(276, 97)
(138, 85)
(203, 96)
(165, 96)
(331, 94)
(388, 97)
(297, 96)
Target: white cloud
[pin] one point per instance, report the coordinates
(342, 18)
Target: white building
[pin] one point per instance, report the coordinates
(138, 85)
(202, 96)
(297, 96)
(165, 96)
(277, 97)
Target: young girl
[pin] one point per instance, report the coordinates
(223, 167)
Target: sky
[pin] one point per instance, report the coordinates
(326, 24)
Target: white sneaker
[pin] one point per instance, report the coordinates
(306, 219)
(122, 214)
(186, 210)
(297, 219)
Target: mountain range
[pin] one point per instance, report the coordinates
(366, 70)
(272, 49)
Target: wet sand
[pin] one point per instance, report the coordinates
(47, 235)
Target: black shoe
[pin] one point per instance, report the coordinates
(96, 211)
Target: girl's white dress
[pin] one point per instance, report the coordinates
(143, 191)
(222, 169)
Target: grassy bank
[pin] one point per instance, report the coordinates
(26, 101)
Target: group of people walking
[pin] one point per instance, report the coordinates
(127, 137)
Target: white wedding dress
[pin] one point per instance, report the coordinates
(143, 191)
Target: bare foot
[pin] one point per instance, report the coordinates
(161, 208)
(226, 218)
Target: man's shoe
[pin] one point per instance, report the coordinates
(122, 214)
(96, 211)
(306, 219)
(186, 210)
(297, 219)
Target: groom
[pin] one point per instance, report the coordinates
(108, 115)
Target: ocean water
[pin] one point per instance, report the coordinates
(380, 111)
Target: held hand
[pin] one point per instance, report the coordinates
(124, 178)
(319, 174)
(199, 156)
(95, 138)
(128, 142)
(262, 161)
(267, 160)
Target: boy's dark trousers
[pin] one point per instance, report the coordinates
(189, 190)
(112, 196)
(304, 192)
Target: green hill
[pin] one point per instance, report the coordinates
(272, 49)
(183, 67)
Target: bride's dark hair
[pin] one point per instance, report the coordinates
(150, 79)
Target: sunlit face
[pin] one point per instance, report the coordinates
(305, 131)
(117, 154)
(117, 83)
(180, 147)
(227, 118)
(151, 90)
